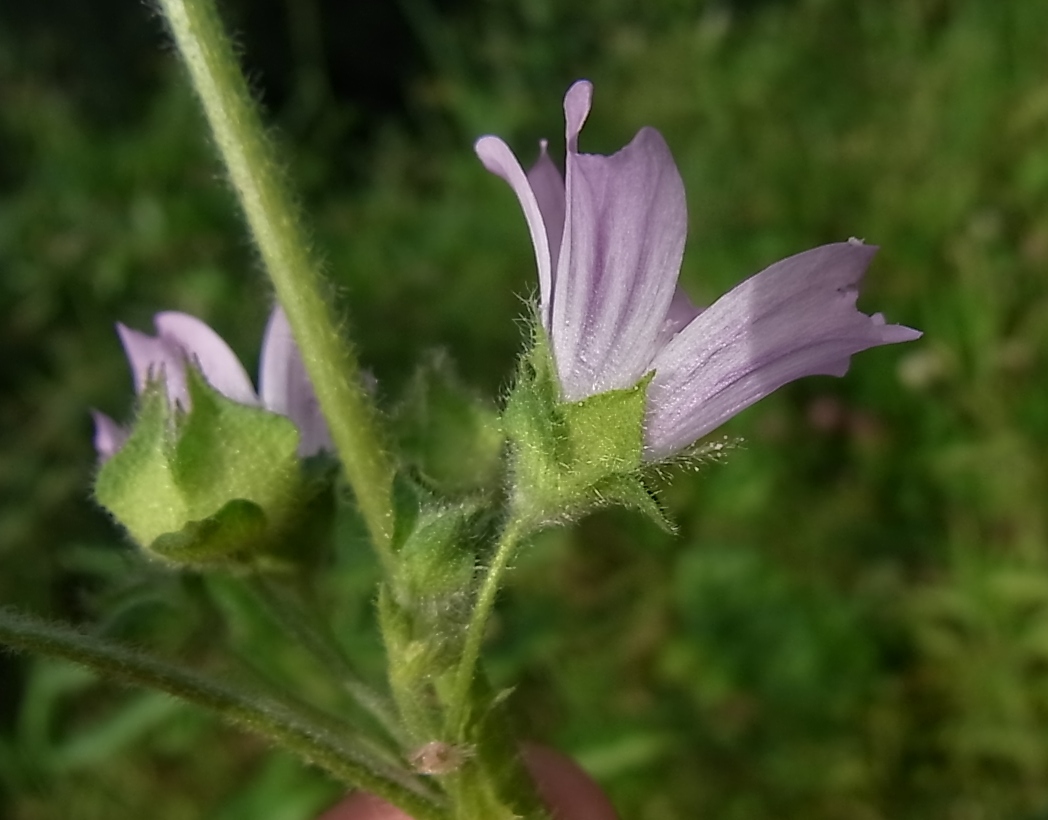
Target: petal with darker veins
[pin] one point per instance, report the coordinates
(795, 318)
(623, 243)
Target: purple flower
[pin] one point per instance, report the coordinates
(609, 238)
(284, 387)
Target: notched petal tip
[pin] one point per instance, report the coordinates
(857, 251)
(893, 334)
(853, 258)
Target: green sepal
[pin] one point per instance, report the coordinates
(632, 492)
(571, 457)
(225, 450)
(220, 483)
(536, 429)
(137, 484)
(606, 432)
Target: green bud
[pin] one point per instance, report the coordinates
(451, 437)
(425, 605)
(214, 485)
(434, 572)
(435, 567)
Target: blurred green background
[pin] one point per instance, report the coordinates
(853, 621)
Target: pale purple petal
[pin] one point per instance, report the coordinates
(286, 389)
(548, 186)
(681, 313)
(796, 318)
(202, 346)
(156, 358)
(109, 436)
(500, 160)
(578, 100)
(623, 243)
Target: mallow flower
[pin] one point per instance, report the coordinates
(609, 238)
(211, 473)
(182, 340)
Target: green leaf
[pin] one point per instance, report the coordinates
(239, 525)
(324, 743)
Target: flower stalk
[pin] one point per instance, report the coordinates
(263, 192)
(462, 686)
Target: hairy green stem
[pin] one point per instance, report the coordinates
(283, 243)
(275, 721)
(495, 784)
(460, 701)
